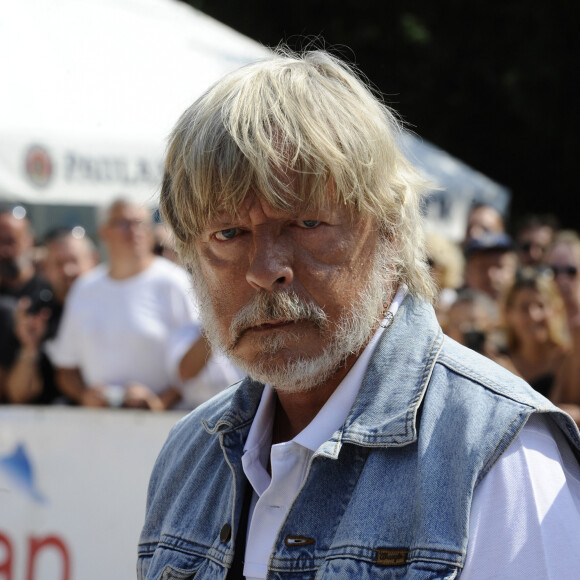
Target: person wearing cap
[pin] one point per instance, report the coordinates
(363, 443)
(490, 263)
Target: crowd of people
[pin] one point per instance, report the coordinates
(515, 298)
(122, 332)
(130, 335)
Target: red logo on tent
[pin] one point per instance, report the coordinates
(38, 165)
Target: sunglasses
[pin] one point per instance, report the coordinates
(570, 271)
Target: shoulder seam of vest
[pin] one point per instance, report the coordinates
(486, 381)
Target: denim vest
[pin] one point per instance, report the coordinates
(388, 496)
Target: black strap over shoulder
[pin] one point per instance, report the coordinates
(236, 572)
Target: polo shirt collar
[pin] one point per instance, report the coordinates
(334, 412)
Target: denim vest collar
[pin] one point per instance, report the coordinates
(401, 489)
(385, 410)
(396, 379)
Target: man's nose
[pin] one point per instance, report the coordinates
(270, 266)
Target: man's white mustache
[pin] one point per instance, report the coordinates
(277, 306)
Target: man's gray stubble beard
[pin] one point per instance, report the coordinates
(348, 336)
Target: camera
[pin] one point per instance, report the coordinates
(475, 340)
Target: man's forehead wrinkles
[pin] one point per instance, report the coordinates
(296, 210)
(221, 218)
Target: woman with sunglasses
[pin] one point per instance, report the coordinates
(564, 262)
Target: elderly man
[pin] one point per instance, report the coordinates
(364, 444)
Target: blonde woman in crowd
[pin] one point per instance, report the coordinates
(446, 263)
(538, 342)
(535, 330)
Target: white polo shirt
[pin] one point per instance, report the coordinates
(525, 517)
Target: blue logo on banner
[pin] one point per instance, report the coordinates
(19, 470)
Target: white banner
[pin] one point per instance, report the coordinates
(73, 487)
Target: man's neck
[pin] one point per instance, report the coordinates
(294, 411)
(121, 269)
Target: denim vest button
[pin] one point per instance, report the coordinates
(226, 533)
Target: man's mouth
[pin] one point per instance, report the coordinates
(270, 325)
(263, 327)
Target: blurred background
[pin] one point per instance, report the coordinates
(91, 90)
(489, 82)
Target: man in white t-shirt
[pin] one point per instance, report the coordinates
(112, 341)
(203, 372)
(364, 443)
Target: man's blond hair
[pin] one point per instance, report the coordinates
(297, 130)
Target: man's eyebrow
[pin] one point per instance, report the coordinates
(227, 218)
(220, 218)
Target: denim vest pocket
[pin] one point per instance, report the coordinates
(419, 570)
(171, 573)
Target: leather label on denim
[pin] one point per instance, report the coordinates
(386, 557)
(298, 541)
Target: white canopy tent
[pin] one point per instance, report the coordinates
(92, 88)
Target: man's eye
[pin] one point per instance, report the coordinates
(308, 224)
(228, 234)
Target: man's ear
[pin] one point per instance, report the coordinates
(391, 236)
